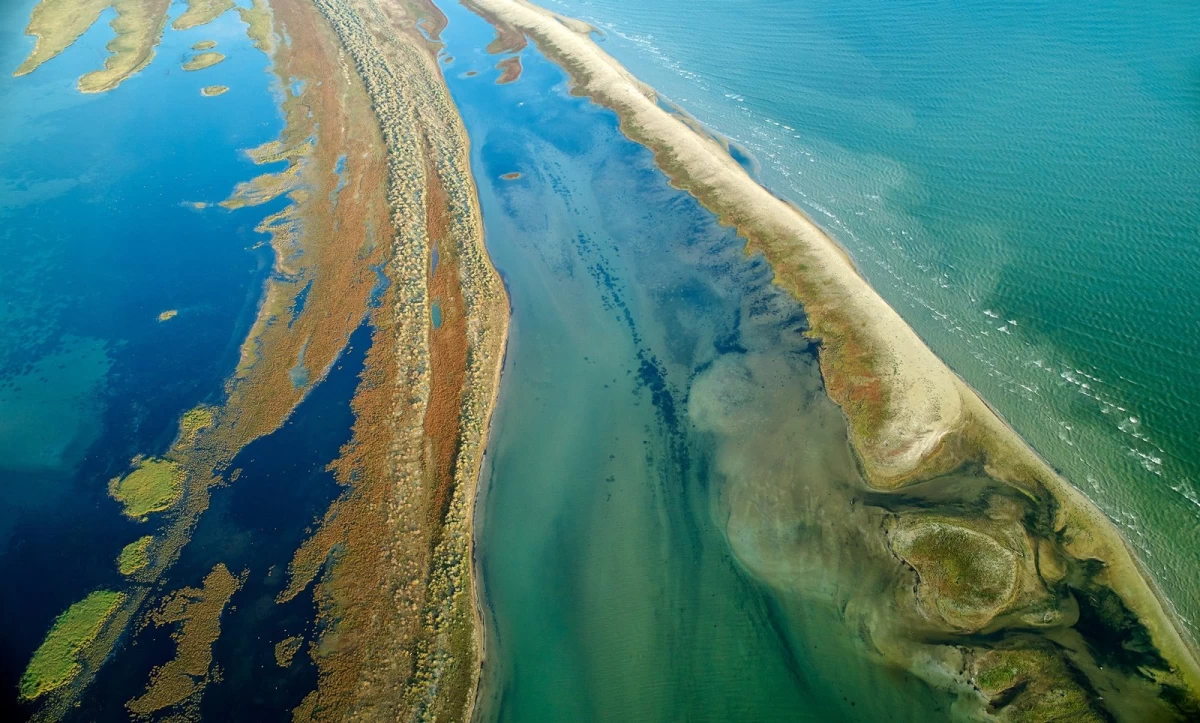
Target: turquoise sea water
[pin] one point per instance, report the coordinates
(1020, 180)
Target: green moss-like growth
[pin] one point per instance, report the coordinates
(56, 662)
(1035, 685)
(154, 486)
(134, 557)
(968, 566)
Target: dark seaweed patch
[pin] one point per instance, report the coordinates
(1113, 633)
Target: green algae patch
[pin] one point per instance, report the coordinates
(210, 91)
(203, 60)
(56, 661)
(168, 315)
(154, 486)
(201, 12)
(204, 45)
(135, 556)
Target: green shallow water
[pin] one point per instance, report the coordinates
(670, 523)
(1021, 181)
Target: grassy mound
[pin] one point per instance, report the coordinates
(1032, 685)
(968, 576)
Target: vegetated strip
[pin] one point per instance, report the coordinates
(400, 637)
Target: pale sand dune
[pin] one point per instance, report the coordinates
(933, 419)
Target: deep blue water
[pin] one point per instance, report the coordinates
(97, 241)
(254, 526)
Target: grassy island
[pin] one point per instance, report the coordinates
(204, 45)
(286, 649)
(200, 61)
(56, 661)
(153, 486)
(168, 315)
(134, 557)
(969, 576)
(209, 91)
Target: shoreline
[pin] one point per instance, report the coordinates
(910, 416)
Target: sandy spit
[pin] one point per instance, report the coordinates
(929, 405)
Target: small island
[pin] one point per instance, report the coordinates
(168, 315)
(203, 60)
(153, 486)
(134, 557)
(56, 662)
(286, 649)
(510, 70)
(210, 91)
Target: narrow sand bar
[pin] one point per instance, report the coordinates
(910, 416)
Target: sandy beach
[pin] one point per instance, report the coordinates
(910, 416)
